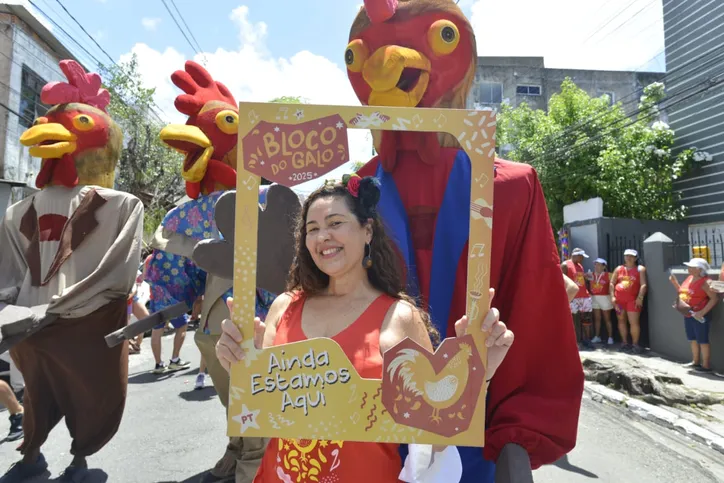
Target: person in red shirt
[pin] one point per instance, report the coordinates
(581, 305)
(600, 280)
(696, 293)
(628, 287)
(345, 284)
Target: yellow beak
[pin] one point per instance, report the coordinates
(391, 85)
(64, 140)
(194, 144)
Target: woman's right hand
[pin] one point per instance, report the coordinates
(228, 348)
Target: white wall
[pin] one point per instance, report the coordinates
(19, 165)
(583, 210)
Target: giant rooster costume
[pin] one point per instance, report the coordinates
(208, 141)
(422, 53)
(75, 246)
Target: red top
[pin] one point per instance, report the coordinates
(692, 292)
(576, 273)
(535, 397)
(340, 461)
(628, 283)
(600, 283)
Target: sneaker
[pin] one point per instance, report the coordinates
(610, 341)
(200, 381)
(16, 427)
(178, 364)
(20, 472)
(596, 340)
(160, 368)
(702, 369)
(625, 348)
(637, 349)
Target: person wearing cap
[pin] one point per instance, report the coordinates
(601, 299)
(628, 287)
(698, 297)
(581, 305)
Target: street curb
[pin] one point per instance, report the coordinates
(657, 415)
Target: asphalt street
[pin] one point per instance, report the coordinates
(171, 433)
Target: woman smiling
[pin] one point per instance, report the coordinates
(346, 284)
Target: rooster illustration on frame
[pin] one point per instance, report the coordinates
(428, 391)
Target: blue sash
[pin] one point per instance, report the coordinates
(451, 234)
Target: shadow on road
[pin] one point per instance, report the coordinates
(149, 377)
(94, 476)
(202, 395)
(566, 465)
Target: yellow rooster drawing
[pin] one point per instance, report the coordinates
(440, 390)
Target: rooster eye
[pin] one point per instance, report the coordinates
(443, 37)
(83, 122)
(448, 34)
(356, 55)
(227, 121)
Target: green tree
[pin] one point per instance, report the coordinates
(583, 148)
(290, 100)
(147, 169)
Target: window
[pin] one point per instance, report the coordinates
(30, 105)
(491, 92)
(528, 90)
(611, 97)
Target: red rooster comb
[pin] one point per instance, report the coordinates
(199, 87)
(81, 87)
(380, 10)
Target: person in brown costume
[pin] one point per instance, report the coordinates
(75, 246)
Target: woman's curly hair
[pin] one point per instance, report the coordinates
(385, 274)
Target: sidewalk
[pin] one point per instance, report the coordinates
(659, 390)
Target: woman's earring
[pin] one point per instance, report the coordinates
(367, 260)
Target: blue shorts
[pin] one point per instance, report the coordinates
(177, 322)
(697, 331)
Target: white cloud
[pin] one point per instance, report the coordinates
(253, 74)
(591, 34)
(150, 23)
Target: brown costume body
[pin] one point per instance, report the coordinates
(84, 267)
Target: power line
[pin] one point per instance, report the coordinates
(85, 31)
(710, 83)
(627, 20)
(100, 64)
(608, 22)
(582, 124)
(179, 27)
(173, 2)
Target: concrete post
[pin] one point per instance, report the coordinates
(666, 327)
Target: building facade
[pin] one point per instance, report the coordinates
(694, 39)
(514, 80)
(29, 56)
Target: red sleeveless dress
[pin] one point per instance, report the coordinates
(301, 461)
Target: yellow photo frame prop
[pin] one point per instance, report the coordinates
(310, 390)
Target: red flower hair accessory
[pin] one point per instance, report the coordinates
(352, 182)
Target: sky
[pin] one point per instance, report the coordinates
(262, 49)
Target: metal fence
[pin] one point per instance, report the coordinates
(706, 243)
(617, 245)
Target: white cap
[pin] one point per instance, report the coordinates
(631, 252)
(579, 251)
(698, 263)
(601, 261)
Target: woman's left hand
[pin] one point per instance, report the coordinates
(499, 337)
